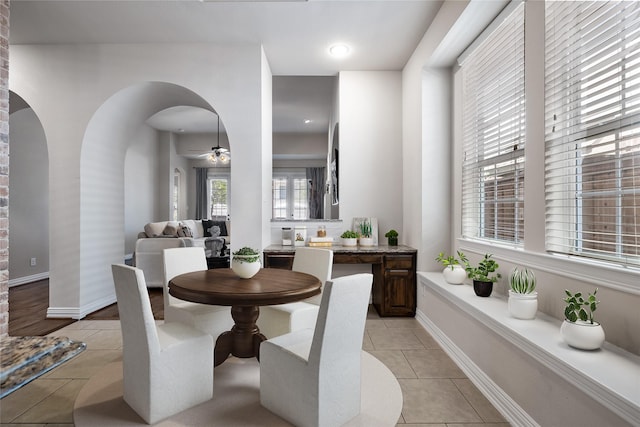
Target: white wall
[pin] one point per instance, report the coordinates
(140, 178)
(28, 199)
(370, 148)
(87, 153)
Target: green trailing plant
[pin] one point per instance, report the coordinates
(486, 271)
(348, 234)
(365, 229)
(522, 281)
(247, 255)
(391, 233)
(580, 308)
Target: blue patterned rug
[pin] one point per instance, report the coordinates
(23, 359)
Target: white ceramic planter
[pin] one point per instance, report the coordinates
(366, 241)
(455, 275)
(243, 269)
(523, 306)
(582, 335)
(350, 242)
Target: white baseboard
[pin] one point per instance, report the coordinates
(501, 400)
(28, 279)
(79, 312)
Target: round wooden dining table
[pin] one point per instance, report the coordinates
(221, 286)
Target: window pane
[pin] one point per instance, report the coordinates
(219, 197)
(494, 134)
(300, 201)
(592, 171)
(279, 191)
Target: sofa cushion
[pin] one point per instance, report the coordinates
(196, 227)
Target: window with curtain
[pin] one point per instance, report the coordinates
(592, 152)
(494, 132)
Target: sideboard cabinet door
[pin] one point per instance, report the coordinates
(398, 294)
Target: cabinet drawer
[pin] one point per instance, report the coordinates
(399, 261)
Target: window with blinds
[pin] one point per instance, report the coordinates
(494, 133)
(592, 118)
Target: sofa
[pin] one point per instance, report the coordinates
(212, 235)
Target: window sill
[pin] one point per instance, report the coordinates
(609, 375)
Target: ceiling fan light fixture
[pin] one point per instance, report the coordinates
(219, 154)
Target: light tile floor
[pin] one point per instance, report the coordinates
(436, 393)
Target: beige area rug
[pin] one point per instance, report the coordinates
(236, 399)
(23, 359)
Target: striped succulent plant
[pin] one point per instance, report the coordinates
(522, 281)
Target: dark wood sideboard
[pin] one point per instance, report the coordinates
(393, 268)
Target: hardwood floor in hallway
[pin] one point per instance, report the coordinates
(28, 306)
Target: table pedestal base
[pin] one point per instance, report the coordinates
(243, 340)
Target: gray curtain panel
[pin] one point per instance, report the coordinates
(316, 178)
(201, 193)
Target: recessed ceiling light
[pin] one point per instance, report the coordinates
(307, 121)
(339, 50)
(180, 130)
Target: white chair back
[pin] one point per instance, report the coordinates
(317, 262)
(313, 378)
(178, 261)
(134, 308)
(166, 368)
(337, 345)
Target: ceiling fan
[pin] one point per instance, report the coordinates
(218, 154)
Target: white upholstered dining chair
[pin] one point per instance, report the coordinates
(312, 377)
(275, 320)
(166, 368)
(212, 319)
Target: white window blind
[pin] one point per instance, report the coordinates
(592, 153)
(494, 134)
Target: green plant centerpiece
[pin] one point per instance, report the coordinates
(523, 298)
(453, 272)
(245, 262)
(579, 328)
(483, 276)
(349, 238)
(392, 237)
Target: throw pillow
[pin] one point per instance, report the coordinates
(184, 231)
(170, 230)
(206, 225)
(223, 227)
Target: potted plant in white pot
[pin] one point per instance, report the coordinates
(349, 238)
(579, 328)
(483, 276)
(453, 272)
(245, 262)
(523, 297)
(365, 234)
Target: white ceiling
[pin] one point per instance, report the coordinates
(295, 36)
